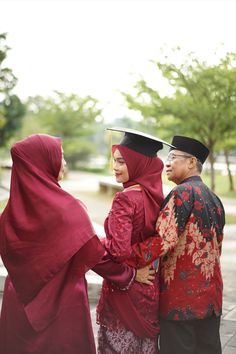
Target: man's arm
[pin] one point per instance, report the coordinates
(121, 275)
(167, 230)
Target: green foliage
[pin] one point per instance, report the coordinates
(11, 108)
(7, 78)
(14, 110)
(205, 98)
(71, 117)
(203, 104)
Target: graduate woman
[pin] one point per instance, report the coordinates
(129, 320)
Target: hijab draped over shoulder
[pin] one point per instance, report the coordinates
(147, 172)
(42, 226)
(127, 311)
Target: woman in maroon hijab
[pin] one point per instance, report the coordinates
(47, 243)
(129, 320)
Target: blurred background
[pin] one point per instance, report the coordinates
(71, 68)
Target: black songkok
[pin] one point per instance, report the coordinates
(190, 146)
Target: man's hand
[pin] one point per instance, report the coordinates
(145, 275)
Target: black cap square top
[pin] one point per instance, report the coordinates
(143, 143)
(191, 146)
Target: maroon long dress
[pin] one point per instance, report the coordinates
(47, 243)
(129, 320)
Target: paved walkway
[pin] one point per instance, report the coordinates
(85, 186)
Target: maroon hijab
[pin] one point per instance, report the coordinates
(42, 226)
(147, 172)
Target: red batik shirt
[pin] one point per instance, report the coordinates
(189, 237)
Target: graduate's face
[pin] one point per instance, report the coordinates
(120, 168)
(63, 166)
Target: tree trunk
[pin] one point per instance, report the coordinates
(212, 160)
(231, 182)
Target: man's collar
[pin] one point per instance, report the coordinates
(192, 178)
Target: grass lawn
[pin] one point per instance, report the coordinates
(221, 183)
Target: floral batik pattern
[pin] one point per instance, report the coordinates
(189, 239)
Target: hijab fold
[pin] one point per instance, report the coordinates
(145, 171)
(42, 226)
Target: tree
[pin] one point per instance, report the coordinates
(229, 147)
(203, 104)
(69, 116)
(11, 108)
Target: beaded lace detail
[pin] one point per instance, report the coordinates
(124, 342)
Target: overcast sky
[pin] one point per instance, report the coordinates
(99, 47)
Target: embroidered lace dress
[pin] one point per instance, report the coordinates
(128, 319)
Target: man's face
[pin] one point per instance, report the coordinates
(178, 166)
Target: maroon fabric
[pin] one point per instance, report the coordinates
(141, 327)
(135, 309)
(47, 243)
(131, 219)
(42, 226)
(147, 172)
(119, 274)
(67, 331)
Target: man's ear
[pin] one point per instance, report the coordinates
(192, 163)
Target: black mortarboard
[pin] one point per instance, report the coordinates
(191, 146)
(143, 143)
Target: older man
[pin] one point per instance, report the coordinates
(189, 238)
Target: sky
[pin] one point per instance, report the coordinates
(101, 47)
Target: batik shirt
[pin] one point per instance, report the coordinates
(189, 237)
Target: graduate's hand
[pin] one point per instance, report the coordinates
(145, 275)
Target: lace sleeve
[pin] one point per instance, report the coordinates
(118, 227)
